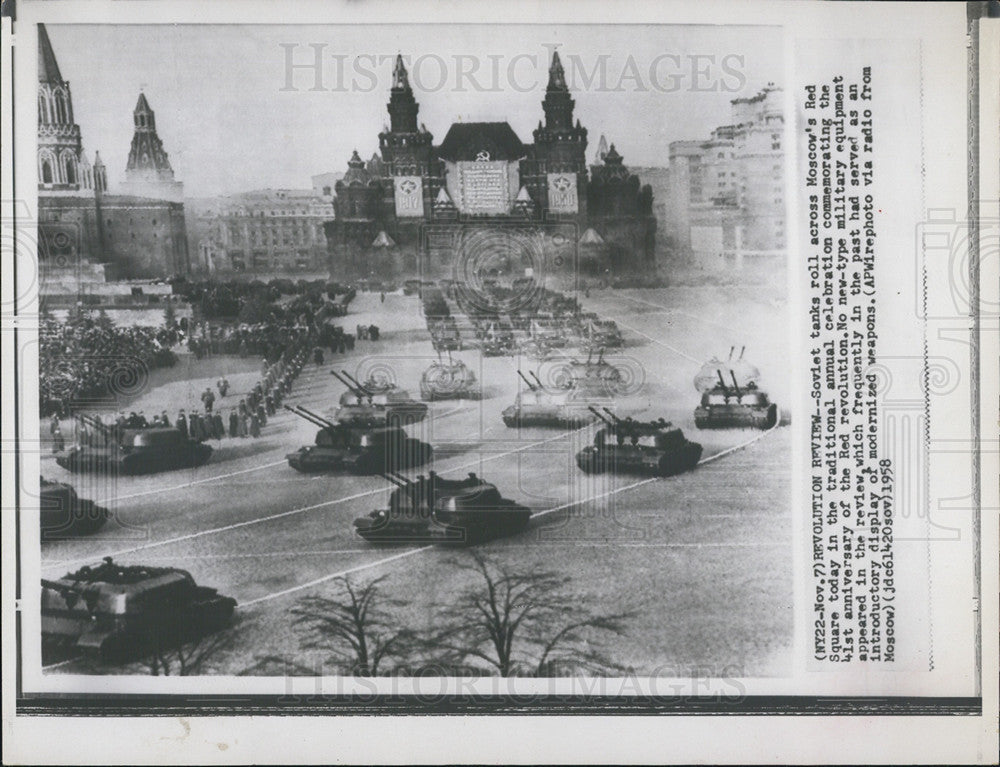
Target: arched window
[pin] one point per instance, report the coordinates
(46, 171)
(60, 108)
(70, 172)
(43, 109)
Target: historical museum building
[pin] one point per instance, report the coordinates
(411, 205)
(139, 234)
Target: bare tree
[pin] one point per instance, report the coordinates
(171, 656)
(523, 623)
(356, 629)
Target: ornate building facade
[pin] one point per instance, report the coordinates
(410, 206)
(83, 228)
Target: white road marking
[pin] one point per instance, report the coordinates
(201, 481)
(302, 510)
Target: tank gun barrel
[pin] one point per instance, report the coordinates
(600, 415)
(300, 414)
(406, 481)
(351, 387)
(94, 422)
(539, 380)
(611, 415)
(742, 350)
(736, 386)
(731, 350)
(326, 422)
(722, 382)
(525, 379)
(393, 479)
(356, 382)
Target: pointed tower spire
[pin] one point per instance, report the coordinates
(602, 149)
(400, 80)
(148, 172)
(48, 68)
(557, 75)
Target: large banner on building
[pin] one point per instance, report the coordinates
(484, 186)
(562, 193)
(409, 194)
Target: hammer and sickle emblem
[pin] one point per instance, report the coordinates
(483, 156)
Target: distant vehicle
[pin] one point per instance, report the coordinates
(448, 380)
(120, 612)
(540, 407)
(625, 446)
(63, 514)
(134, 451)
(730, 397)
(362, 406)
(593, 377)
(437, 510)
(359, 450)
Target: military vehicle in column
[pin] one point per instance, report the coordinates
(591, 378)
(120, 612)
(362, 406)
(133, 451)
(448, 380)
(64, 514)
(357, 449)
(731, 397)
(539, 406)
(626, 446)
(445, 511)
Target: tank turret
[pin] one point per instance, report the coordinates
(439, 510)
(627, 446)
(734, 399)
(360, 406)
(117, 612)
(448, 380)
(540, 406)
(356, 448)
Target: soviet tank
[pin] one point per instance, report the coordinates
(731, 397)
(64, 514)
(356, 449)
(625, 446)
(445, 511)
(448, 380)
(134, 451)
(602, 334)
(364, 407)
(118, 612)
(591, 377)
(539, 406)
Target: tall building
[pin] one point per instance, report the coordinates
(83, 230)
(264, 232)
(727, 198)
(415, 203)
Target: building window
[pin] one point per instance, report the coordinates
(70, 172)
(776, 145)
(46, 172)
(154, 222)
(326, 191)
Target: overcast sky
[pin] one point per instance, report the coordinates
(229, 124)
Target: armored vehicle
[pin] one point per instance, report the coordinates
(357, 449)
(625, 446)
(118, 612)
(725, 407)
(364, 407)
(133, 451)
(603, 334)
(438, 510)
(448, 380)
(594, 376)
(63, 514)
(540, 407)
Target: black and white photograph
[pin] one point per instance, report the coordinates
(380, 363)
(417, 361)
